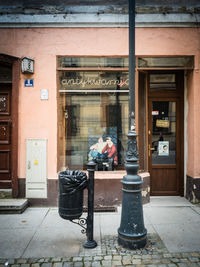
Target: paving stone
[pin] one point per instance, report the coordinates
(66, 259)
(41, 260)
(56, 259)
(195, 254)
(175, 260)
(136, 261)
(118, 258)
(87, 258)
(98, 258)
(57, 264)
(165, 261)
(194, 259)
(78, 264)
(146, 257)
(46, 260)
(68, 264)
(2, 261)
(96, 264)
(35, 265)
(167, 255)
(155, 261)
(49, 264)
(184, 260)
(116, 263)
(21, 261)
(77, 259)
(126, 262)
(108, 257)
(25, 265)
(156, 256)
(32, 260)
(107, 263)
(128, 257)
(193, 264)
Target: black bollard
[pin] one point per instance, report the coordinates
(90, 243)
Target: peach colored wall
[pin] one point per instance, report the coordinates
(38, 119)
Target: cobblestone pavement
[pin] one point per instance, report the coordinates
(109, 254)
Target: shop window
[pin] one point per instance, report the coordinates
(92, 62)
(92, 119)
(162, 82)
(186, 62)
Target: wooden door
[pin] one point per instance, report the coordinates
(5, 136)
(164, 146)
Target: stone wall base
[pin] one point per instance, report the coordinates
(193, 189)
(108, 192)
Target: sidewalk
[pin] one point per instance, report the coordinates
(41, 238)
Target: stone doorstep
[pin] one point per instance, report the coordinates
(12, 206)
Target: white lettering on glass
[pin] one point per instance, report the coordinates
(97, 82)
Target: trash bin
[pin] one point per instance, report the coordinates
(71, 186)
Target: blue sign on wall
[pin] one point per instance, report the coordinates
(28, 82)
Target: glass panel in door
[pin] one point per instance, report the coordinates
(163, 141)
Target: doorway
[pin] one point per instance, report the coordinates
(165, 147)
(5, 136)
(9, 93)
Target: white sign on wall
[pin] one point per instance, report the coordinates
(44, 94)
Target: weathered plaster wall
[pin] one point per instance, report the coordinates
(38, 119)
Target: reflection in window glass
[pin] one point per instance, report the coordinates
(93, 125)
(163, 132)
(162, 82)
(166, 62)
(92, 62)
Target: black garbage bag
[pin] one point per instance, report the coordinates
(71, 186)
(73, 181)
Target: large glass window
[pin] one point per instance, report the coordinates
(93, 119)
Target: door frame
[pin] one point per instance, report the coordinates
(15, 63)
(177, 96)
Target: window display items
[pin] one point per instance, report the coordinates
(104, 153)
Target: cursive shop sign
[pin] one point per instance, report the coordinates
(85, 83)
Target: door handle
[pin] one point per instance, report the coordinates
(151, 149)
(29, 165)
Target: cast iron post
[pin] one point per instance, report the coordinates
(132, 233)
(90, 243)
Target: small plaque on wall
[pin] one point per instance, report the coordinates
(44, 94)
(28, 82)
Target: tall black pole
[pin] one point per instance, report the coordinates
(90, 243)
(132, 233)
(131, 64)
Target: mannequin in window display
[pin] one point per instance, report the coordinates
(96, 149)
(104, 154)
(111, 150)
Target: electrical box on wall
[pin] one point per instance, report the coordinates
(36, 168)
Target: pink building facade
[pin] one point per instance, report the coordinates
(77, 92)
